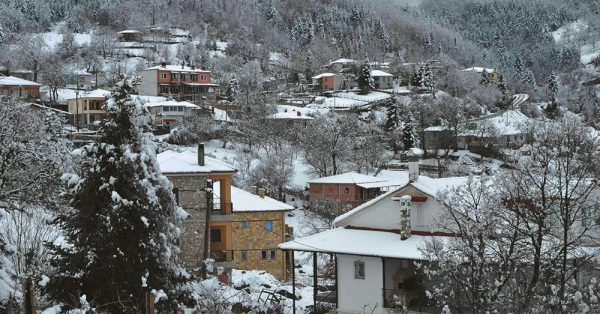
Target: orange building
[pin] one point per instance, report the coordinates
(180, 82)
(328, 81)
(18, 87)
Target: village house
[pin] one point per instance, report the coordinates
(347, 190)
(382, 80)
(130, 35)
(340, 64)
(17, 87)
(87, 107)
(438, 137)
(476, 74)
(79, 79)
(169, 113)
(377, 244)
(495, 132)
(327, 82)
(234, 227)
(178, 81)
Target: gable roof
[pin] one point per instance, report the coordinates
(177, 68)
(244, 201)
(316, 77)
(187, 162)
(479, 70)
(380, 73)
(16, 81)
(427, 185)
(348, 178)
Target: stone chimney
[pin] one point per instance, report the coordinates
(261, 192)
(405, 202)
(201, 154)
(253, 189)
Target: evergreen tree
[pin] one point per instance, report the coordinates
(410, 137)
(427, 78)
(502, 87)
(120, 229)
(365, 80)
(232, 90)
(553, 86)
(391, 121)
(415, 79)
(485, 80)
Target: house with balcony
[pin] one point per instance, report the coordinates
(20, 88)
(236, 228)
(375, 247)
(87, 107)
(183, 83)
(169, 112)
(348, 190)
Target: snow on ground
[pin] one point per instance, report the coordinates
(53, 39)
(579, 34)
(335, 103)
(569, 32)
(372, 96)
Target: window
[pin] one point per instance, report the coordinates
(420, 215)
(183, 77)
(215, 235)
(359, 270)
(174, 76)
(244, 224)
(347, 190)
(164, 89)
(273, 254)
(269, 225)
(263, 255)
(163, 76)
(176, 193)
(193, 77)
(244, 255)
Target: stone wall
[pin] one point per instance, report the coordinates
(193, 200)
(255, 238)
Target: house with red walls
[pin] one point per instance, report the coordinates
(179, 82)
(328, 81)
(18, 87)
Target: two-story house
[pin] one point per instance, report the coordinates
(169, 113)
(17, 87)
(177, 81)
(327, 82)
(376, 244)
(237, 229)
(87, 107)
(382, 79)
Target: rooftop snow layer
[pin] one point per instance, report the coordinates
(16, 81)
(244, 201)
(171, 103)
(348, 178)
(380, 73)
(479, 70)
(509, 122)
(97, 93)
(176, 68)
(187, 162)
(360, 242)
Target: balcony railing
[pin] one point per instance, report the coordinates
(221, 208)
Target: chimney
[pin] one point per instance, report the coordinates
(163, 64)
(201, 154)
(253, 189)
(405, 201)
(413, 155)
(298, 114)
(261, 192)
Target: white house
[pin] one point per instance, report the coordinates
(376, 244)
(382, 79)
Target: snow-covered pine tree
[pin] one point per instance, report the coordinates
(365, 80)
(232, 90)
(391, 121)
(415, 79)
(427, 78)
(553, 86)
(485, 80)
(120, 230)
(502, 87)
(410, 137)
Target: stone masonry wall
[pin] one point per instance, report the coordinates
(193, 200)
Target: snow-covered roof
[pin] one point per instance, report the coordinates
(509, 122)
(176, 31)
(437, 128)
(16, 81)
(244, 201)
(327, 74)
(171, 103)
(380, 73)
(146, 98)
(129, 31)
(348, 178)
(343, 61)
(177, 68)
(361, 242)
(427, 185)
(187, 162)
(97, 93)
(290, 115)
(479, 70)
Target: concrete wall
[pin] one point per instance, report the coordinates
(385, 214)
(360, 295)
(149, 83)
(194, 228)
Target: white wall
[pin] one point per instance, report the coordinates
(385, 214)
(354, 294)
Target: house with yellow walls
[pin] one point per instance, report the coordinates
(235, 228)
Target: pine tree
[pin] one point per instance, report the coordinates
(502, 87)
(415, 79)
(391, 121)
(365, 81)
(410, 137)
(120, 229)
(232, 90)
(427, 78)
(553, 86)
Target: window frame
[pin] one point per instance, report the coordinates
(244, 224)
(273, 255)
(359, 270)
(213, 233)
(269, 225)
(264, 255)
(243, 255)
